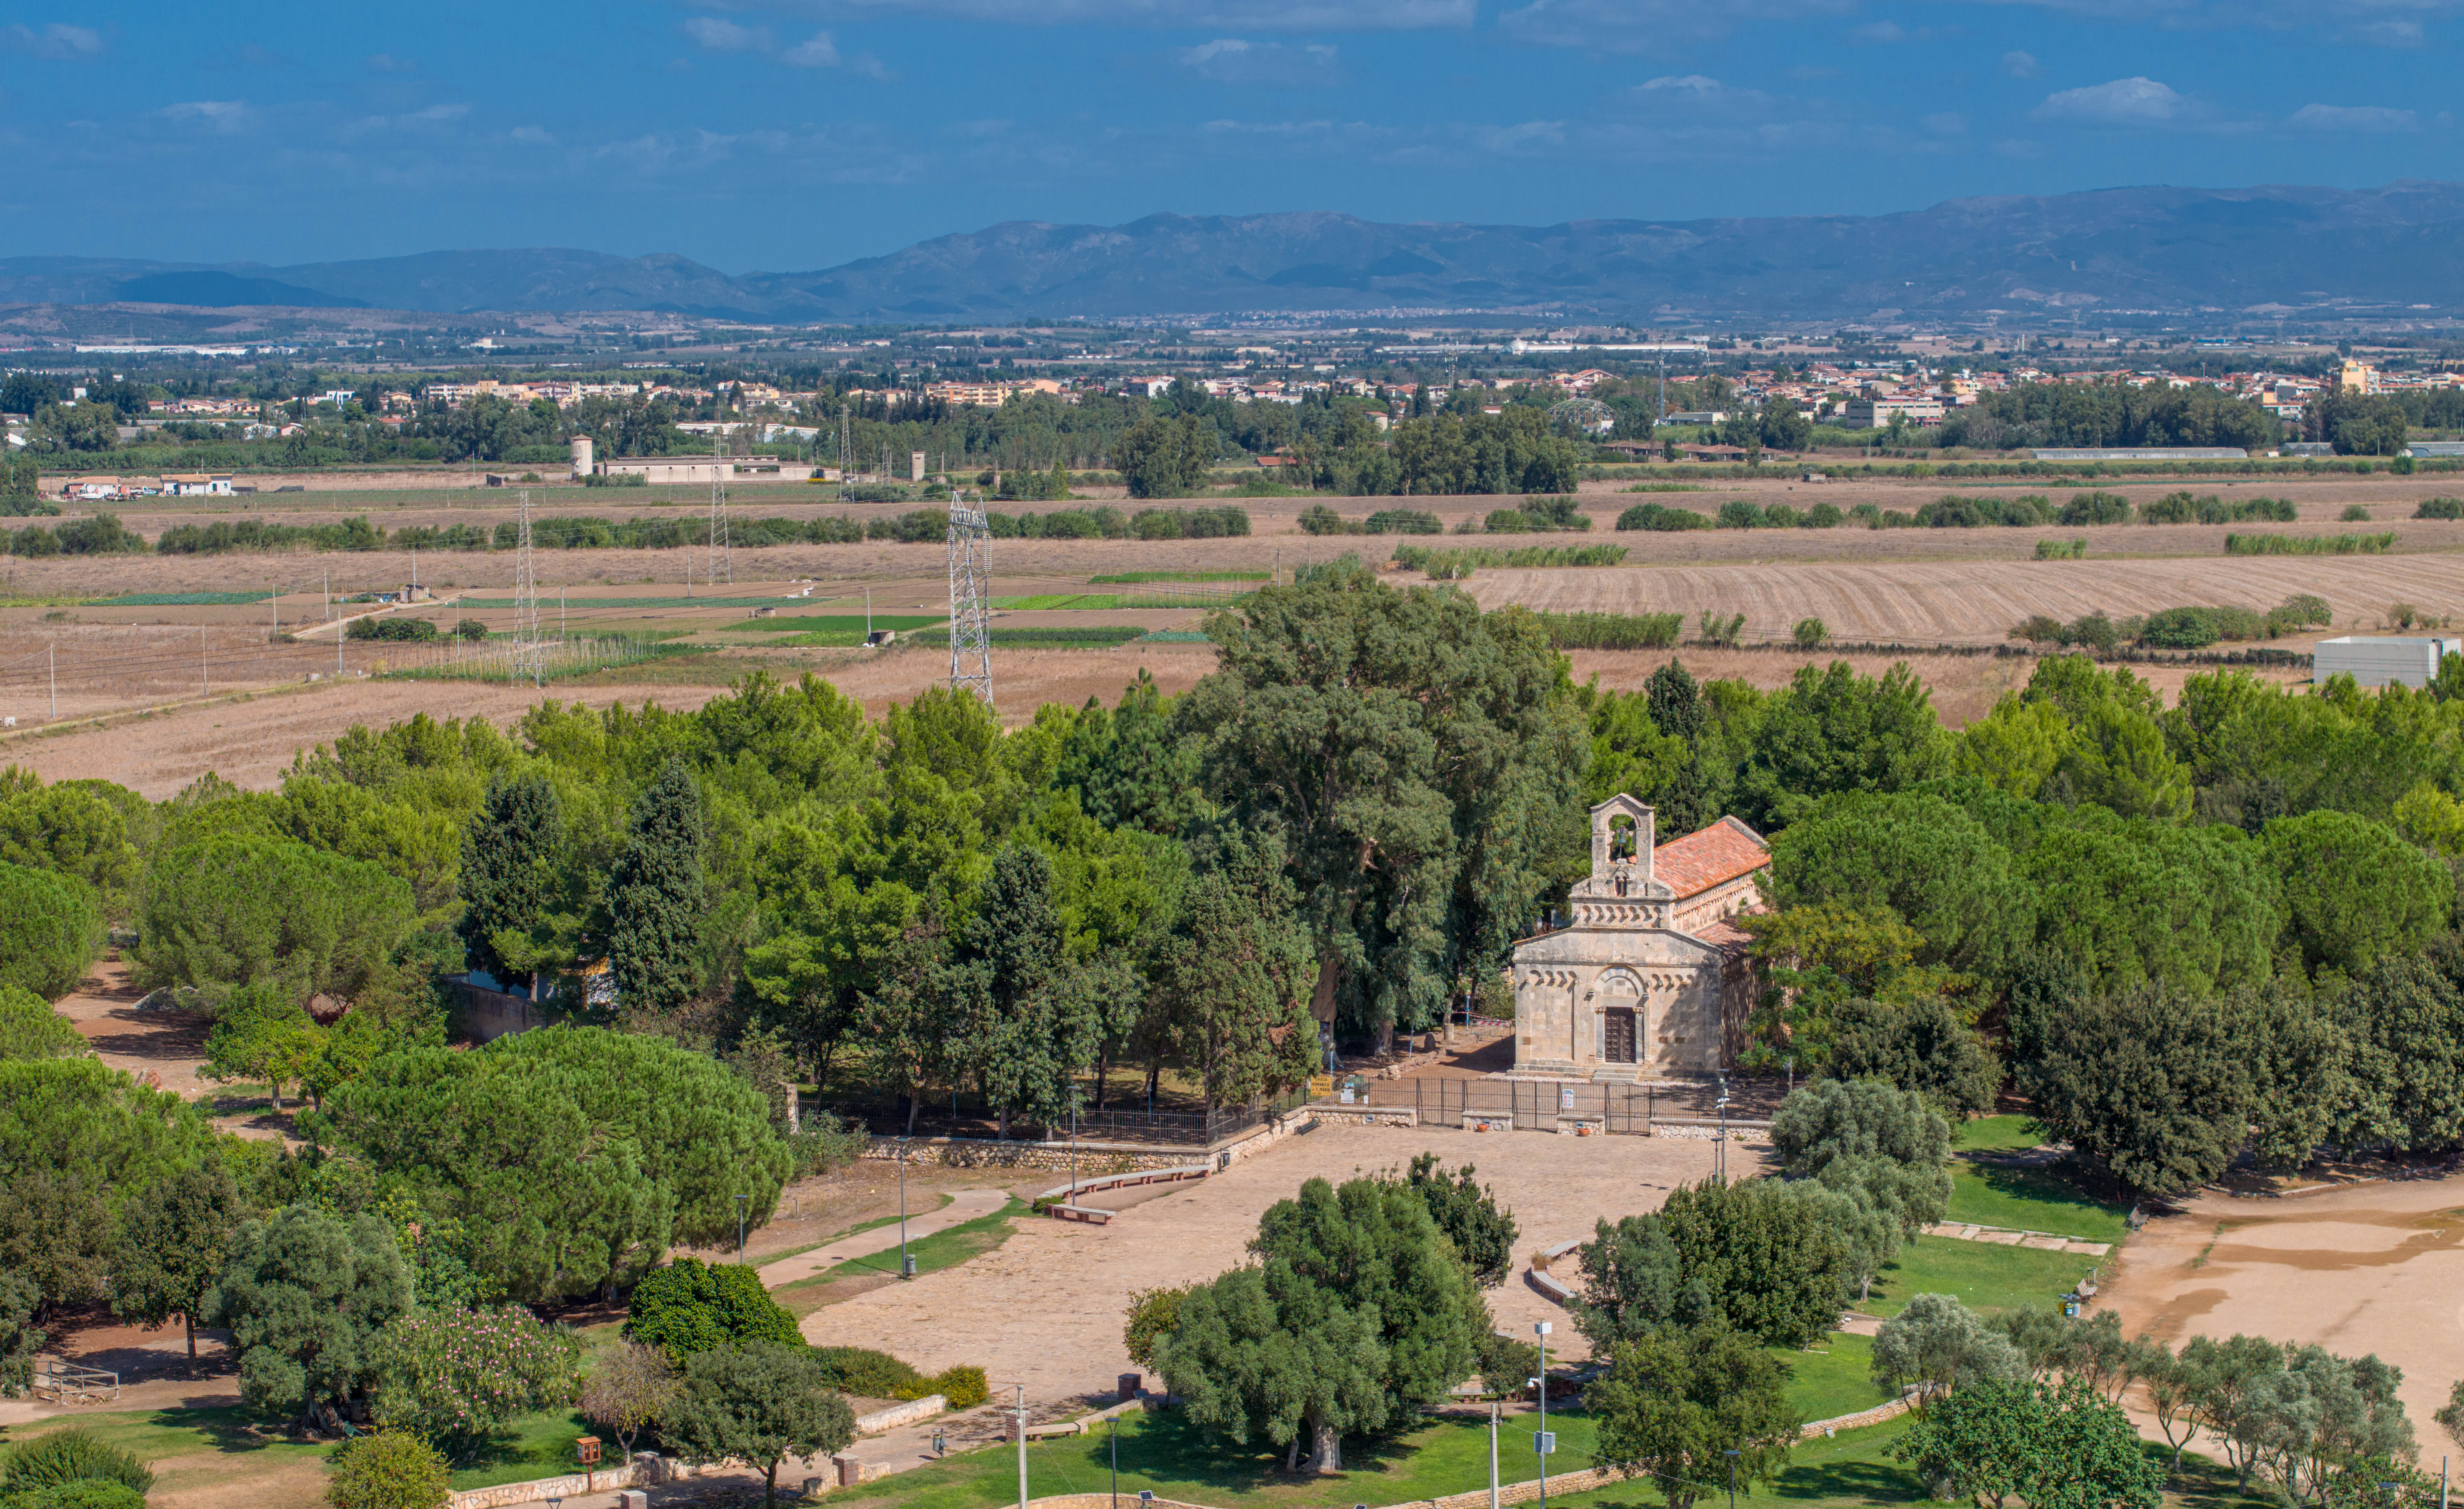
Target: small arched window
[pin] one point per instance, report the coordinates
(1622, 838)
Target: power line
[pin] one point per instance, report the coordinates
(722, 562)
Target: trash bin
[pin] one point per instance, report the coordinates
(1131, 1382)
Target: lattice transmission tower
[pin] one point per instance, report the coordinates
(970, 645)
(722, 563)
(529, 659)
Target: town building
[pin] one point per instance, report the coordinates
(1876, 410)
(1651, 977)
(663, 471)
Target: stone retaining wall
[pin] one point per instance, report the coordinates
(967, 1152)
(898, 1414)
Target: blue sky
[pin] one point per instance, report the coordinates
(795, 134)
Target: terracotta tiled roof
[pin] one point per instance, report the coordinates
(1697, 862)
(1725, 936)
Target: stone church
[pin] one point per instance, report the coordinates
(1650, 977)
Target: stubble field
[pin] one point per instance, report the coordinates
(183, 689)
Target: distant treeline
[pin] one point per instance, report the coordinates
(103, 534)
(1954, 511)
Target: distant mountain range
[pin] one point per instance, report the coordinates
(2267, 250)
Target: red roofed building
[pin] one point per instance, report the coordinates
(1652, 977)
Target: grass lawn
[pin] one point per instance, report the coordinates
(191, 1448)
(1852, 1468)
(534, 1446)
(943, 1248)
(1830, 1381)
(1163, 1453)
(1983, 1275)
(1994, 1134)
(865, 1226)
(2033, 1200)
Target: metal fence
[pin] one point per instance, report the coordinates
(969, 1117)
(1540, 1105)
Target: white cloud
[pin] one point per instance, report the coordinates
(1228, 15)
(222, 115)
(388, 63)
(1883, 31)
(818, 51)
(532, 136)
(1692, 83)
(57, 40)
(453, 112)
(2387, 33)
(2020, 65)
(2124, 101)
(1231, 60)
(725, 37)
(2354, 118)
(1649, 26)
(1945, 124)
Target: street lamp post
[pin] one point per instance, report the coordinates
(1542, 1443)
(1731, 1455)
(1113, 1430)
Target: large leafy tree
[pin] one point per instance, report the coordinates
(229, 911)
(657, 897)
(1356, 1316)
(1933, 864)
(1834, 730)
(1468, 1214)
(515, 901)
(305, 1294)
(80, 1142)
(1031, 1018)
(758, 1403)
(2151, 1085)
(2354, 889)
(2404, 1021)
(30, 1029)
(51, 928)
(69, 828)
(573, 1157)
(1231, 983)
(173, 1245)
(1772, 1267)
(1418, 759)
(1690, 1408)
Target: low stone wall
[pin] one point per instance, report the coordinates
(898, 1414)
(483, 1016)
(646, 1469)
(1366, 1115)
(1880, 1412)
(968, 1152)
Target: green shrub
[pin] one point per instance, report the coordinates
(1780, 516)
(1823, 516)
(1809, 632)
(1505, 522)
(2181, 628)
(59, 1458)
(50, 930)
(1655, 515)
(86, 1493)
(1404, 522)
(963, 1386)
(1739, 514)
(1317, 519)
(389, 1470)
(2304, 608)
(2358, 513)
(1612, 630)
(863, 1371)
(872, 493)
(413, 630)
(690, 1306)
(1155, 1314)
(2310, 544)
(30, 1029)
(2093, 508)
(2440, 508)
(470, 629)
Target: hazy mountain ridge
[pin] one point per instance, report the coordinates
(2125, 248)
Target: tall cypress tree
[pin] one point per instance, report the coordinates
(510, 872)
(656, 896)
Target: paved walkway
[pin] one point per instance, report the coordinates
(966, 1205)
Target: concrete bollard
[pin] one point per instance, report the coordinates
(850, 1469)
(633, 1498)
(1130, 1384)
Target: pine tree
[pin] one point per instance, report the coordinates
(656, 896)
(509, 869)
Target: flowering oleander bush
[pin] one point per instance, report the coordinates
(455, 1377)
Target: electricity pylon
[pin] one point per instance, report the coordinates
(971, 648)
(530, 650)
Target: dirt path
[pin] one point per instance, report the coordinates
(966, 1205)
(2372, 1267)
(1046, 1307)
(164, 1049)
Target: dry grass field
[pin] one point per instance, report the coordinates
(187, 689)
